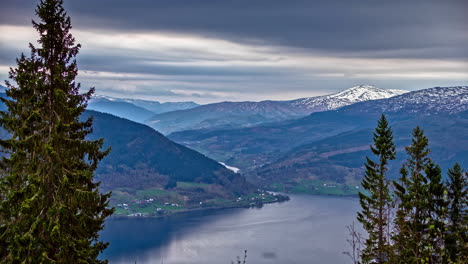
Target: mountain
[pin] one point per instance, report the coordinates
(122, 109)
(350, 96)
(223, 115)
(2, 105)
(157, 107)
(427, 101)
(142, 158)
(330, 147)
(340, 158)
(244, 114)
(151, 174)
(134, 109)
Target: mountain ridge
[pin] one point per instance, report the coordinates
(140, 151)
(154, 106)
(452, 99)
(333, 143)
(134, 109)
(245, 114)
(349, 96)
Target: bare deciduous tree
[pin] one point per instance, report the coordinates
(355, 241)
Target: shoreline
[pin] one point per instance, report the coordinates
(283, 198)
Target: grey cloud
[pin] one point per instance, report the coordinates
(129, 65)
(432, 29)
(146, 90)
(374, 28)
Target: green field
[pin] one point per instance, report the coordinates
(191, 185)
(317, 187)
(186, 196)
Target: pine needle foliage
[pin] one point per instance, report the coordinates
(51, 209)
(377, 202)
(457, 226)
(430, 224)
(414, 218)
(437, 211)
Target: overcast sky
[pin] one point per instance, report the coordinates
(217, 50)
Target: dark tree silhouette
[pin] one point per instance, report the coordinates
(50, 208)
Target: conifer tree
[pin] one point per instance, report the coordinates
(457, 228)
(437, 211)
(376, 204)
(413, 214)
(50, 208)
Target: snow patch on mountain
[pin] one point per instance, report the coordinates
(349, 96)
(429, 101)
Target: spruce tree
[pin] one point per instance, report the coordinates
(402, 232)
(457, 228)
(50, 208)
(411, 240)
(377, 203)
(437, 211)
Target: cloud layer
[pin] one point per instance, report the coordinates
(239, 50)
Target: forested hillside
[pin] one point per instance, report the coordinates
(143, 158)
(329, 147)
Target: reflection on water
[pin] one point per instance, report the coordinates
(305, 230)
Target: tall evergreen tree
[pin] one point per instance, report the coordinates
(457, 227)
(413, 213)
(50, 208)
(437, 212)
(376, 204)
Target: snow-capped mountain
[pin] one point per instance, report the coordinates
(334, 144)
(428, 101)
(243, 114)
(349, 96)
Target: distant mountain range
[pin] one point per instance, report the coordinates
(132, 109)
(223, 115)
(331, 146)
(227, 115)
(120, 109)
(135, 109)
(299, 145)
(157, 107)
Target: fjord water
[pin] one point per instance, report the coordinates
(304, 230)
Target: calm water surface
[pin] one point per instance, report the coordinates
(304, 230)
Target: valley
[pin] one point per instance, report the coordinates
(321, 153)
(150, 174)
(330, 147)
(241, 132)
